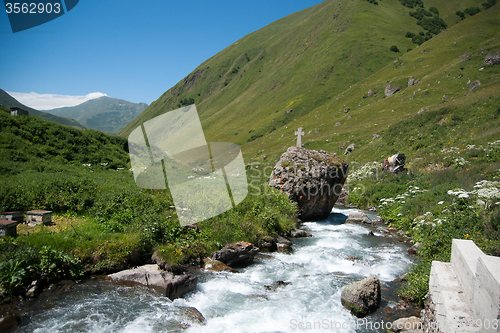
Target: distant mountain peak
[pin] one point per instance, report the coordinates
(104, 113)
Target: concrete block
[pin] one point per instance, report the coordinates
(464, 256)
(486, 304)
(451, 305)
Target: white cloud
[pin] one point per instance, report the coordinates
(52, 101)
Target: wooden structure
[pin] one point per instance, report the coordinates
(34, 217)
(17, 216)
(8, 228)
(15, 111)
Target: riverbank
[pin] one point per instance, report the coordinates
(435, 204)
(313, 275)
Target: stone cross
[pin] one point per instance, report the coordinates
(299, 134)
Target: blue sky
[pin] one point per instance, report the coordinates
(134, 50)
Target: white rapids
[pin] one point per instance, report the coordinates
(315, 274)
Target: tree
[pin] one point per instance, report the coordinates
(394, 48)
(472, 11)
(434, 10)
(460, 14)
(489, 4)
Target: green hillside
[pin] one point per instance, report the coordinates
(105, 114)
(8, 101)
(102, 220)
(309, 67)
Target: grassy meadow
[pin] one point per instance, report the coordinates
(102, 220)
(312, 69)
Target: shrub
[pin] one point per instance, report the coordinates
(472, 11)
(489, 4)
(409, 35)
(460, 14)
(420, 13)
(412, 3)
(394, 48)
(434, 10)
(433, 24)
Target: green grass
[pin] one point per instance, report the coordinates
(426, 203)
(323, 60)
(102, 220)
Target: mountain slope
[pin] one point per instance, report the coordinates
(8, 101)
(104, 114)
(312, 69)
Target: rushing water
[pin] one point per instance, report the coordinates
(317, 271)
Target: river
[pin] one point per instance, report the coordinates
(308, 301)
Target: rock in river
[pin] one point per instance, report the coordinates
(312, 178)
(362, 297)
(236, 255)
(358, 217)
(172, 286)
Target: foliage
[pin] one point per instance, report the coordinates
(375, 2)
(489, 3)
(428, 20)
(420, 13)
(20, 264)
(433, 208)
(412, 3)
(12, 276)
(36, 144)
(394, 48)
(185, 102)
(416, 286)
(460, 14)
(433, 25)
(472, 10)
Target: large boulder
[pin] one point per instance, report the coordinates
(492, 58)
(474, 85)
(236, 255)
(391, 88)
(358, 217)
(362, 297)
(151, 276)
(311, 178)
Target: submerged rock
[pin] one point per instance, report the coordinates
(411, 324)
(362, 297)
(9, 322)
(172, 286)
(217, 266)
(358, 217)
(192, 315)
(268, 245)
(311, 178)
(283, 244)
(414, 249)
(276, 284)
(236, 255)
(299, 233)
